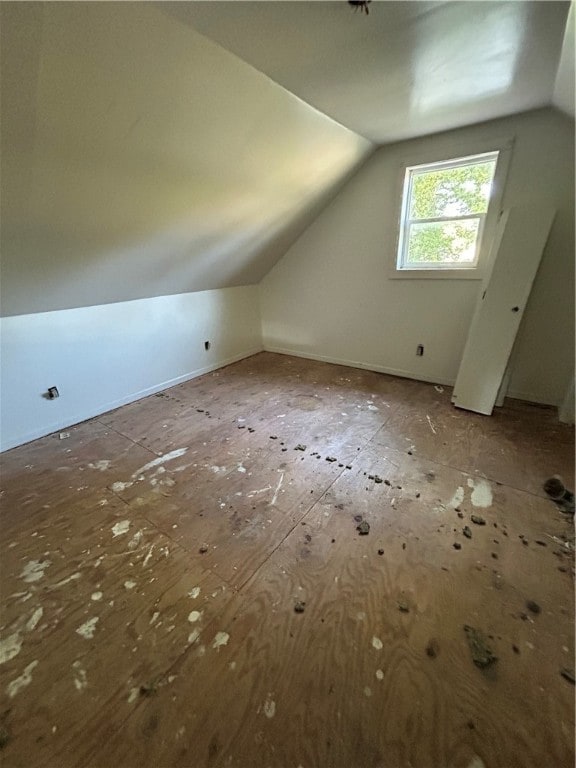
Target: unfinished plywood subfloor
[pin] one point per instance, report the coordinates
(152, 561)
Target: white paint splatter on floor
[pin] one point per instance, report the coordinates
(194, 616)
(481, 492)
(269, 707)
(379, 674)
(118, 486)
(458, 498)
(367, 691)
(148, 556)
(193, 636)
(87, 629)
(220, 639)
(22, 595)
(67, 580)
(96, 596)
(194, 593)
(133, 695)
(377, 643)
(32, 622)
(101, 465)
(160, 460)
(120, 528)
(135, 540)
(21, 682)
(10, 647)
(430, 424)
(34, 570)
(80, 679)
(129, 584)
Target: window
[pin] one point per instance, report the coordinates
(444, 207)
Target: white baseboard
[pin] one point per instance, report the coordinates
(92, 413)
(364, 366)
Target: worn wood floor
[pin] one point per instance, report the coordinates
(151, 564)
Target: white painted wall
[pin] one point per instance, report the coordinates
(565, 81)
(104, 356)
(330, 296)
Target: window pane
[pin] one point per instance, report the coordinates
(451, 192)
(443, 242)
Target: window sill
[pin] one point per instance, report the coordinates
(436, 274)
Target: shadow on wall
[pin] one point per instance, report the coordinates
(158, 162)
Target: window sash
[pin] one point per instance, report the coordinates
(406, 263)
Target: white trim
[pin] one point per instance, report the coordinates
(78, 418)
(364, 366)
(402, 262)
(403, 374)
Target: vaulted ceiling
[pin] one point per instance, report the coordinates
(408, 68)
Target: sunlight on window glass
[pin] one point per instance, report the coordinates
(445, 205)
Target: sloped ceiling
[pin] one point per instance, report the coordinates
(152, 149)
(141, 159)
(408, 68)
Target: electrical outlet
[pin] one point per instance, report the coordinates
(53, 393)
(420, 350)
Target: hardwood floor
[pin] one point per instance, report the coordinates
(152, 561)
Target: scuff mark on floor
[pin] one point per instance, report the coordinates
(430, 423)
(275, 497)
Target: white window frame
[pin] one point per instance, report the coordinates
(502, 146)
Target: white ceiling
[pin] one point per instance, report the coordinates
(407, 69)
